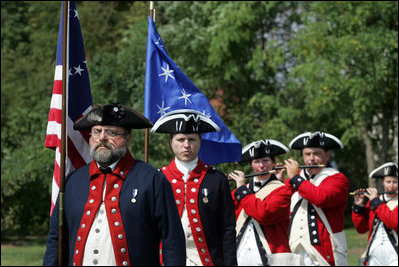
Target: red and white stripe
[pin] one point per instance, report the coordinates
(78, 150)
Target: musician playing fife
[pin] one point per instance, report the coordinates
(318, 202)
(379, 217)
(262, 208)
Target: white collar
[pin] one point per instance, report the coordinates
(262, 182)
(256, 179)
(186, 167)
(385, 198)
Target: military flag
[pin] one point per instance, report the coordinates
(168, 88)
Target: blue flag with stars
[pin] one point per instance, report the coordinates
(167, 88)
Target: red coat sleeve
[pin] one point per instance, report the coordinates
(333, 191)
(361, 220)
(273, 209)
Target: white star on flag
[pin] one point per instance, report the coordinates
(162, 109)
(78, 70)
(158, 43)
(167, 73)
(204, 112)
(76, 14)
(185, 96)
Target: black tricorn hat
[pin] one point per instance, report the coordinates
(262, 148)
(115, 115)
(316, 139)
(387, 169)
(184, 121)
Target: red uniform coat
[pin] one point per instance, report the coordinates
(272, 214)
(331, 196)
(363, 217)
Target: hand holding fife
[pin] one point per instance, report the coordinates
(279, 172)
(359, 199)
(237, 176)
(292, 167)
(371, 193)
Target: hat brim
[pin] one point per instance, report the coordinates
(387, 169)
(184, 121)
(103, 115)
(317, 139)
(262, 148)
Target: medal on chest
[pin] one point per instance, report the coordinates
(205, 193)
(134, 194)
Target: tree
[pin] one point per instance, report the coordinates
(232, 51)
(346, 64)
(26, 84)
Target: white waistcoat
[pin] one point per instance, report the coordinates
(382, 252)
(193, 259)
(299, 233)
(99, 250)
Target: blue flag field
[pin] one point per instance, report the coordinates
(168, 88)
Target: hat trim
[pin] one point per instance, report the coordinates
(175, 114)
(388, 164)
(257, 144)
(97, 115)
(310, 134)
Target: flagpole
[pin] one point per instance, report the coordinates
(147, 131)
(63, 129)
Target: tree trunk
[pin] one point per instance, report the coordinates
(369, 155)
(385, 142)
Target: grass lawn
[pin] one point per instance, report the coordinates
(29, 251)
(356, 245)
(26, 251)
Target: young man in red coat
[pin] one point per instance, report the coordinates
(262, 208)
(379, 217)
(202, 193)
(316, 229)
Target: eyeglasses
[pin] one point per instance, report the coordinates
(108, 133)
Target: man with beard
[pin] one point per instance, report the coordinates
(117, 209)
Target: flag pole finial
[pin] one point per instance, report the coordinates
(152, 10)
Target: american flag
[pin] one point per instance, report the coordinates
(79, 102)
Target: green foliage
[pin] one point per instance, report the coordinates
(25, 187)
(278, 68)
(27, 73)
(346, 66)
